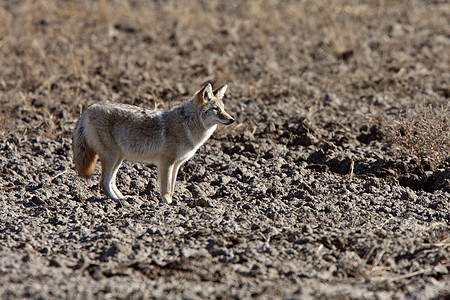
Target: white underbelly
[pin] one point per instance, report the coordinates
(146, 152)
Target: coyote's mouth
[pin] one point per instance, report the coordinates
(229, 121)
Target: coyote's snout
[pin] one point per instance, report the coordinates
(115, 132)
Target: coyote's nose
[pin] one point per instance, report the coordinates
(230, 121)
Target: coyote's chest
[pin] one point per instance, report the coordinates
(193, 143)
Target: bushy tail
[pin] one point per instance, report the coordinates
(84, 158)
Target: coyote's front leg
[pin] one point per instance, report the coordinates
(165, 168)
(176, 168)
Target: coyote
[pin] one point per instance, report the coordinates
(115, 132)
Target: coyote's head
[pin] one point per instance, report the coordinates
(210, 106)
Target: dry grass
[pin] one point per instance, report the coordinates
(60, 55)
(422, 131)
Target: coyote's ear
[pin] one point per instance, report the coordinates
(220, 92)
(204, 95)
(208, 93)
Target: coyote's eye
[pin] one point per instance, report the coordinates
(216, 109)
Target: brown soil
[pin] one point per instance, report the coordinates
(303, 197)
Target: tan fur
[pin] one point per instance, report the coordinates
(116, 132)
(84, 158)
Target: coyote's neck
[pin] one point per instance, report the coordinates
(191, 116)
(196, 129)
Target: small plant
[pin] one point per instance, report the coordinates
(422, 132)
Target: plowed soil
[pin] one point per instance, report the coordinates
(303, 197)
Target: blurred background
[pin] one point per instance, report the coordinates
(58, 56)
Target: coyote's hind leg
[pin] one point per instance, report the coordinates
(113, 179)
(110, 166)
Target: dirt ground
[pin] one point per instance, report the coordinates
(303, 197)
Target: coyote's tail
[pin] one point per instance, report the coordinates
(84, 158)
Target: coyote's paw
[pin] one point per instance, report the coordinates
(167, 198)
